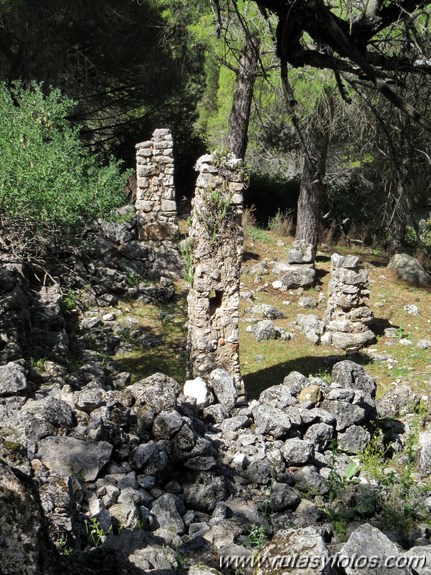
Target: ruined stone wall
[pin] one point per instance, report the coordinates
(156, 209)
(155, 196)
(216, 246)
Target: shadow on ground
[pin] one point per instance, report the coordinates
(318, 366)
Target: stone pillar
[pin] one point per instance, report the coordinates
(156, 209)
(347, 314)
(216, 247)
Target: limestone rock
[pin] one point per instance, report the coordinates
(69, 456)
(349, 374)
(198, 389)
(282, 497)
(267, 311)
(319, 434)
(400, 400)
(409, 269)
(301, 252)
(59, 413)
(166, 510)
(13, 379)
(368, 541)
(166, 424)
(266, 330)
(425, 452)
(158, 391)
(141, 552)
(345, 413)
(271, 420)
(278, 396)
(352, 340)
(303, 546)
(422, 558)
(202, 491)
(224, 388)
(297, 451)
(353, 440)
(295, 382)
(296, 275)
(25, 546)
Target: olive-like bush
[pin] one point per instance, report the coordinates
(47, 176)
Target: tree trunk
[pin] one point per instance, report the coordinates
(398, 221)
(313, 173)
(242, 97)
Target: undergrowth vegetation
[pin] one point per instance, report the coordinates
(48, 178)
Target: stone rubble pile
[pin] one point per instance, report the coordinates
(159, 471)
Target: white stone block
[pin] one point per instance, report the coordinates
(198, 389)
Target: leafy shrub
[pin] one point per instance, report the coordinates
(47, 176)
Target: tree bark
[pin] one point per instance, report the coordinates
(242, 98)
(398, 221)
(316, 142)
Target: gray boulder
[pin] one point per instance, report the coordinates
(12, 379)
(400, 400)
(345, 340)
(59, 413)
(168, 511)
(425, 452)
(345, 413)
(158, 391)
(282, 497)
(267, 311)
(224, 388)
(353, 440)
(271, 421)
(296, 275)
(409, 269)
(420, 558)
(297, 451)
(202, 491)
(349, 374)
(319, 434)
(277, 396)
(294, 545)
(24, 540)
(166, 424)
(301, 252)
(366, 552)
(69, 456)
(295, 382)
(266, 330)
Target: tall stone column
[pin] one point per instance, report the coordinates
(347, 314)
(156, 208)
(216, 247)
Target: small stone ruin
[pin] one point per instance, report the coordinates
(299, 270)
(347, 313)
(215, 248)
(156, 208)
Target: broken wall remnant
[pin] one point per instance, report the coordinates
(215, 247)
(156, 209)
(347, 314)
